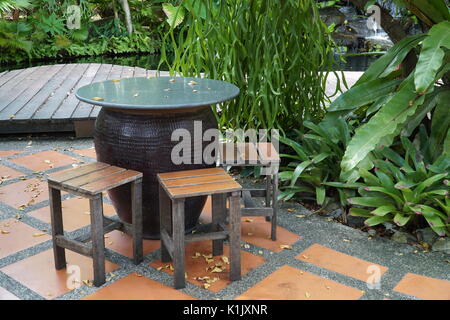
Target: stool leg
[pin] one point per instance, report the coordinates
(268, 193)
(136, 208)
(98, 242)
(178, 242)
(274, 205)
(218, 216)
(235, 237)
(165, 221)
(57, 226)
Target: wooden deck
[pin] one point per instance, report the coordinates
(42, 99)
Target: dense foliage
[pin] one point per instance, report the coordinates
(404, 94)
(277, 52)
(35, 29)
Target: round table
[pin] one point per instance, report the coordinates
(134, 130)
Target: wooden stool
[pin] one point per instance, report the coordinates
(90, 181)
(174, 188)
(261, 154)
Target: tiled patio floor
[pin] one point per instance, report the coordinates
(313, 258)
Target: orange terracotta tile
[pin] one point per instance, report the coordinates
(75, 213)
(90, 152)
(134, 287)
(339, 262)
(424, 287)
(8, 153)
(39, 274)
(43, 161)
(196, 267)
(16, 236)
(8, 173)
(6, 295)
(122, 243)
(26, 192)
(288, 283)
(256, 230)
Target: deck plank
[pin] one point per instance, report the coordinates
(127, 72)
(29, 87)
(14, 87)
(140, 72)
(8, 75)
(84, 110)
(48, 90)
(48, 108)
(71, 102)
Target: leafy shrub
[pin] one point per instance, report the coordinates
(313, 167)
(406, 190)
(277, 52)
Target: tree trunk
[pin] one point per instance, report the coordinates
(16, 15)
(126, 9)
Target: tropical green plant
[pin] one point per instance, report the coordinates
(14, 39)
(9, 5)
(277, 52)
(406, 190)
(393, 102)
(313, 169)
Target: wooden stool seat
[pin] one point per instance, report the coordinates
(174, 188)
(90, 181)
(260, 154)
(191, 183)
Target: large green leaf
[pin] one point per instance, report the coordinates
(358, 212)
(377, 220)
(389, 61)
(371, 201)
(383, 210)
(429, 11)
(363, 94)
(432, 55)
(402, 219)
(447, 144)
(440, 122)
(175, 15)
(384, 123)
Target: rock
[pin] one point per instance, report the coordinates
(372, 232)
(426, 235)
(403, 237)
(442, 244)
(355, 222)
(381, 43)
(332, 15)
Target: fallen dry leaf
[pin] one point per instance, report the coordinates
(4, 232)
(286, 247)
(97, 99)
(307, 294)
(225, 259)
(39, 234)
